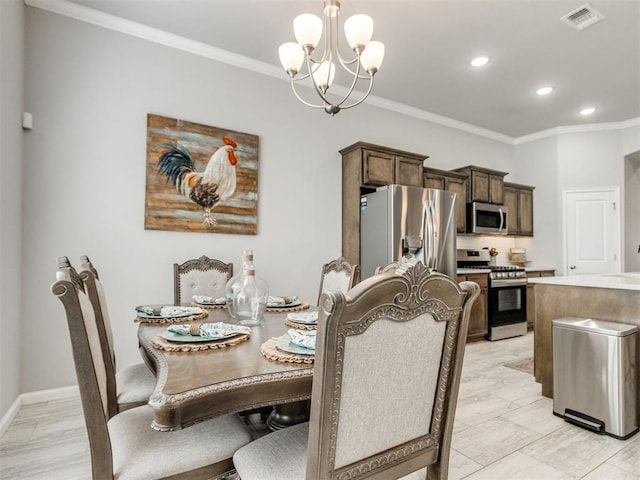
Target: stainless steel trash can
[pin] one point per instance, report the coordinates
(594, 375)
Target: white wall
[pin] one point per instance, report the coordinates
(11, 96)
(536, 164)
(631, 247)
(590, 159)
(631, 138)
(90, 90)
(570, 160)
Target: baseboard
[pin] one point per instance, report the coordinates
(50, 394)
(35, 397)
(8, 417)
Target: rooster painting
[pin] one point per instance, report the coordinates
(215, 184)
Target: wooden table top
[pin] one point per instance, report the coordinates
(194, 386)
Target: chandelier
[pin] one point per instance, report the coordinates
(321, 71)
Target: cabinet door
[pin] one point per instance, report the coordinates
(478, 325)
(479, 187)
(496, 194)
(408, 171)
(459, 187)
(511, 202)
(525, 211)
(478, 322)
(377, 168)
(433, 180)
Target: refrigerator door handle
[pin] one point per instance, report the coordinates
(430, 235)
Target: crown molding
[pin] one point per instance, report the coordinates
(139, 30)
(135, 29)
(590, 127)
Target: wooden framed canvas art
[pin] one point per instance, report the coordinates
(200, 178)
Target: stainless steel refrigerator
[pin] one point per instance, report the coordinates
(398, 220)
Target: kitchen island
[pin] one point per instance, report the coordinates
(613, 297)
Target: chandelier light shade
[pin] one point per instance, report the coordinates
(321, 68)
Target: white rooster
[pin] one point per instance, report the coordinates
(207, 189)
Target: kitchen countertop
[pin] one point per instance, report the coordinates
(471, 271)
(619, 281)
(539, 269)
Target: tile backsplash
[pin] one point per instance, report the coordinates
(501, 244)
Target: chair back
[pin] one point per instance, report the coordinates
(398, 267)
(201, 276)
(387, 370)
(338, 275)
(95, 291)
(89, 363)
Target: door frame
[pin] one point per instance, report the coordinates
(617, 219)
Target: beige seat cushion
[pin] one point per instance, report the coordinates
(141, 453)
(135, 385)
(281, 455)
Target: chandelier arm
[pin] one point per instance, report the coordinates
(295, 92)
(364, 97)
(315, 85)
(328, 40)
(353, 85)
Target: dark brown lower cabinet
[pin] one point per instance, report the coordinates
(478, 326)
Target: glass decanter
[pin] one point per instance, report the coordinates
(247, 293)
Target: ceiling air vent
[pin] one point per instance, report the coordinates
(582, 17)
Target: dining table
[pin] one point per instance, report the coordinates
(192, 386)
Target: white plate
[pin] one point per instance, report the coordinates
(284, 344)
(178, 315)
(304, 318)
(176, 337)
(284, 305)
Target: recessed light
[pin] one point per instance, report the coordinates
(479, 61)
(587, 111)
(544, 91)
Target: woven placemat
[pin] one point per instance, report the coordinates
(270, 351)
(208, 306)
(190, 318)
(300, 326)
(299, 308)
(162, 344)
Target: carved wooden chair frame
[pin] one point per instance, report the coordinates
(351, 315)
(90, 278)
(339, 265)
(202, 264)
(69, 289)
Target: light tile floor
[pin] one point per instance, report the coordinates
(504, 430)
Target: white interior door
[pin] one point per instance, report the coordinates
(592, 231)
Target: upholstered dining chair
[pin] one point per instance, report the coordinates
(132, 385)
(396, 267)
(338, 275)
(200, 276)
(385, 385)
(124, 446)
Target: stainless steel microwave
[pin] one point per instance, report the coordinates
(486, 218)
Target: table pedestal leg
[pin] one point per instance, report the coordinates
(288, 414)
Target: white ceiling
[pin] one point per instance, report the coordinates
(429, 44)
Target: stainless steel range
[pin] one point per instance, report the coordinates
(506, 296)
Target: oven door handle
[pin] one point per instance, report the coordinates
(509, 282)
